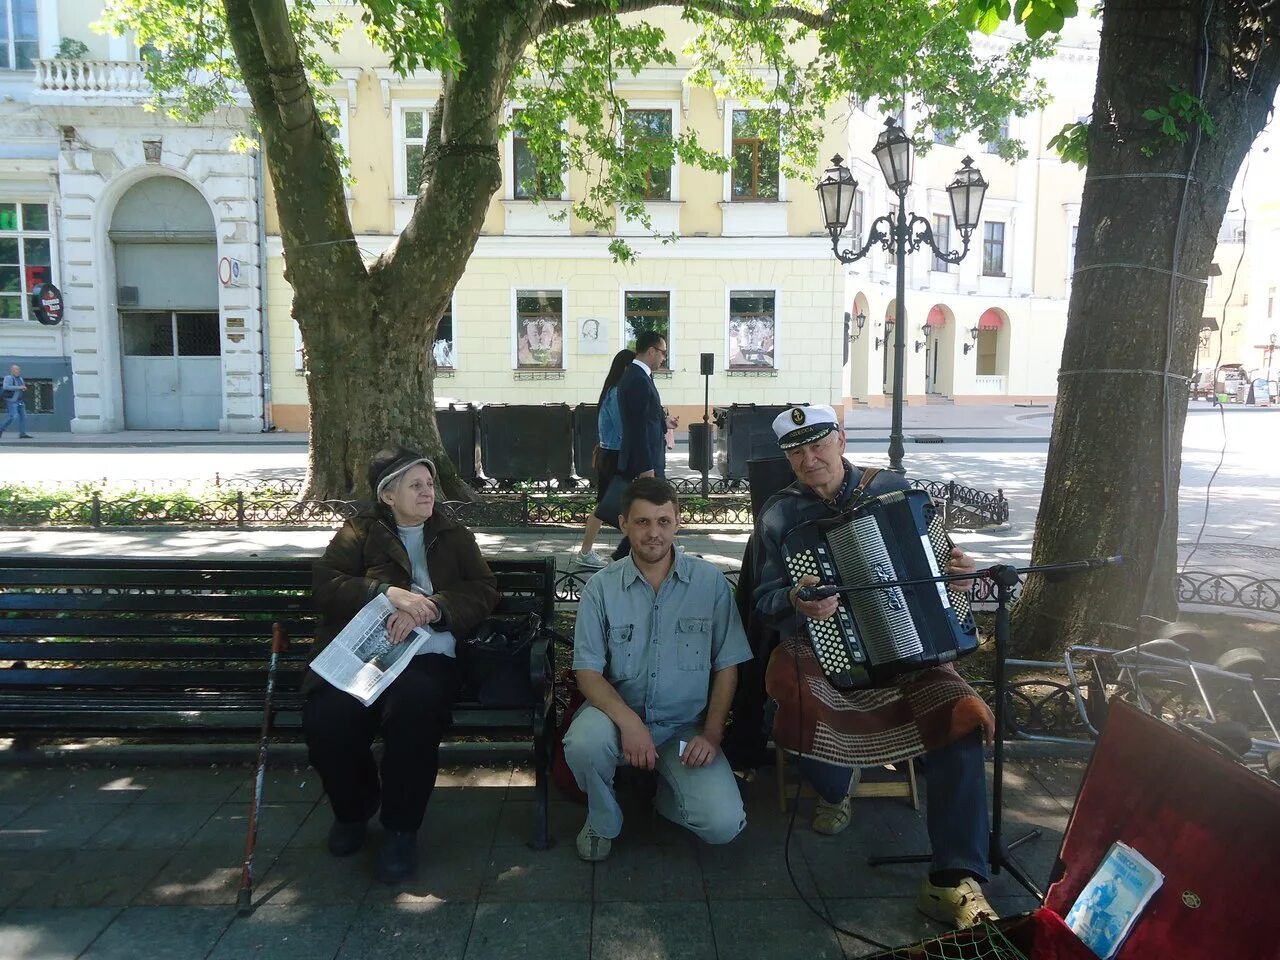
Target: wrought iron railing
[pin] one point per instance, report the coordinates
(1239, 591)
(278, 502)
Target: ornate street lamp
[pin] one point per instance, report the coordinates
(899, 233)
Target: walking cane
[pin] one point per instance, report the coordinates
(244, 901)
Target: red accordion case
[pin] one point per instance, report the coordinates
(1209, 824)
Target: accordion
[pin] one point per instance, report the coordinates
(876, 634)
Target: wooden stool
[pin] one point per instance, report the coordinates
(906, 787)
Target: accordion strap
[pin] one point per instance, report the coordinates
(868, 474)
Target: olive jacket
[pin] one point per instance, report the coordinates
(366, 556)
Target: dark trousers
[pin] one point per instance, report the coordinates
(412, 715)
(955, 803)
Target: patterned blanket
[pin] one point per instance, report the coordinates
(923, 711)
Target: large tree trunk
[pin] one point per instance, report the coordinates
(367, 331)
(1111, 482)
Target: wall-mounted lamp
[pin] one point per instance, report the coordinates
(888, 328)
(924, 332)
(859, 321)
(973, 335)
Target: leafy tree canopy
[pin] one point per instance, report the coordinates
(798, 61)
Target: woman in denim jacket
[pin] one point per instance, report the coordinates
(609, 428)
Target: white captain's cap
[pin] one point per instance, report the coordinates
(801, 425)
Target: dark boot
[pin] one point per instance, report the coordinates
(399, 857)
(346, 838)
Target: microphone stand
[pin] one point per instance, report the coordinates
(1005, 577)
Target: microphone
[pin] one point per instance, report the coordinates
(1064, 571)
(820, 592)
(1053, 572)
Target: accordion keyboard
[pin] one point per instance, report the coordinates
(834, 640)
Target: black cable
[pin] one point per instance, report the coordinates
(795, 808)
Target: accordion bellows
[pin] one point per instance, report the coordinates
(882, 631)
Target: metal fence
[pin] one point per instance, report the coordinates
(277, 502)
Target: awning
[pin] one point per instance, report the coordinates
(937, 318)
(991, 320)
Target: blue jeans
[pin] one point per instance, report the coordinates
(704, 800)
(17, 411)
(955, 805)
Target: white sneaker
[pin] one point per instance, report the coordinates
(589, 559)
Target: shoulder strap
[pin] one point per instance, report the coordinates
(868, 474)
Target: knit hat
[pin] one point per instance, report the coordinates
(392, 463)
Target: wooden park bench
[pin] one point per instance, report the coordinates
(171, 648)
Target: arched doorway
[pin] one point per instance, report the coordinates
(939, 347)
(991, 370)
(166, 260)
(857, 346)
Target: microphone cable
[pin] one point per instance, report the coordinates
(822, 915)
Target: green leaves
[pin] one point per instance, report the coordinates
(1072, 143)
(1037, 17)
(1175, 119)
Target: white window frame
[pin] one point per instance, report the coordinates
(49, 234)
(400, 168)
(509, 171)
(40, 12)
(729, 291)
(727, 178)
(671, 317)
(672, 107)
(515, 327)
(457, 354)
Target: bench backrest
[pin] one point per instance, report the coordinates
(191, 624)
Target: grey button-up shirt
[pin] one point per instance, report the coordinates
(659, 649)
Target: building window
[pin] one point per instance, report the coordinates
(1271, 302)
(753, 328)
(993, 146)
(26, 256)
(942, 237)
(643, 311)
(39, 395)
(416, 124)
(166, 333)
(528, 181)
(22, 40)
(755, 159)
(855, 221)
(945, 136)
(993, 249)
(649, 129)
(1071, 263)
(444, 351)
(891, 255)
(539, 330)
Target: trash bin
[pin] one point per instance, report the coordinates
(457, 425)
(586, 434)
(745, 432)
(700, 435)
(526, 442)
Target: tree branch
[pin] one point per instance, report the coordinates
(314, 225)
(568, 12)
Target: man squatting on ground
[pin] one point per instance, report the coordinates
(931, 712)
(656, 648)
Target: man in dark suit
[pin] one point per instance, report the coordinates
(644, 423)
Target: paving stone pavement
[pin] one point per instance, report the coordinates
(129, 862)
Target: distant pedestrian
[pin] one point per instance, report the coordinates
(605, 461)
(644, 421)
(15, 391)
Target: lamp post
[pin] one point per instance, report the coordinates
(901, 233)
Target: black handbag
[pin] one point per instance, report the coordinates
(610, 506)
(495, 662)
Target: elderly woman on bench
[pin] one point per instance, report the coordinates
(431, 570)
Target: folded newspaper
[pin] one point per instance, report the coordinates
(362, 660)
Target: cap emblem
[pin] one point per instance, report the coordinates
(797, 417)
